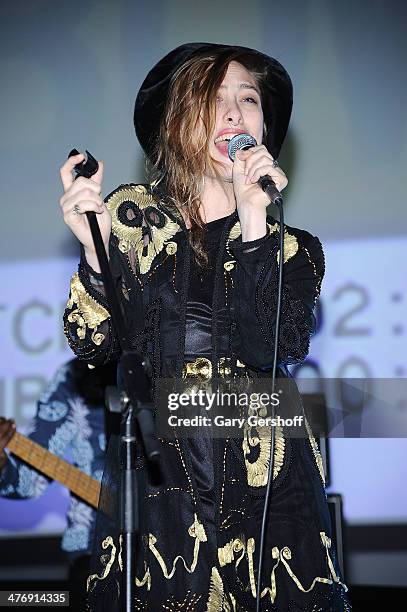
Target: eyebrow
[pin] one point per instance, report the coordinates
(244, 86)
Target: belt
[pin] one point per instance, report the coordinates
(202, 370)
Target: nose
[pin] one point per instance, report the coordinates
(233, 115)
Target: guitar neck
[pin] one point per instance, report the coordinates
(82, 485)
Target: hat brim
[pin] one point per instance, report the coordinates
(277, 99)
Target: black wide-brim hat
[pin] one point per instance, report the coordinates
(277, 94)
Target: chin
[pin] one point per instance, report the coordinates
(223, 166)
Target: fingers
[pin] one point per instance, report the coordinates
(243, 154)
(252, 157)
(82, 196)
(69, 182)
(258, 162)
(276, 174)
(79, 185)
(255, 157)
(98, 176)
(81, 202)
(66, 170)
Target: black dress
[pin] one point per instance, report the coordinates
(201, 524)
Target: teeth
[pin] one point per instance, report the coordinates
(224, 137)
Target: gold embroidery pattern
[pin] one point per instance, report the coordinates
(89, 313)
(257, 471)
(226, 555)
(93, 577)
(317, 276)
(217, 601)
(236, 231)
(233, 600)
(171, 248)
(216, 595)
(290, 247)
(316, 451)
(108, 565)
(225, 524)
(290, 241)
(188, 604)
(327, 542)
(165, 491)
(222, 493)
(145, 580)
(233, 552)
(182, 459)
(197, 532)
(250, 561)
(132, 237)
(140, 606)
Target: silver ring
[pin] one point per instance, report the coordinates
(76, 209)
(275, 163)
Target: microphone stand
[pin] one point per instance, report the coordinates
(137, 422)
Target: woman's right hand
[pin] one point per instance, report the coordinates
(80, 196)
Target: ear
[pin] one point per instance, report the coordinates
(264, 133)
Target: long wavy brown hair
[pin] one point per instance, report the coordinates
(178, 172)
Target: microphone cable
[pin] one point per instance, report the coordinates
(270, 471)
(237, 143)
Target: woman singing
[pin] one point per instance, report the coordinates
(196, 259)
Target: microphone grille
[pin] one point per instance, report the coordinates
(239, 142)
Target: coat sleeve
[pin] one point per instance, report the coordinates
(255, 296)
(88, 323)
(87, 319)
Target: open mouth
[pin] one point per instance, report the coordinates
(225, 138)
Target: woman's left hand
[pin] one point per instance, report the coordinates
(248, 167)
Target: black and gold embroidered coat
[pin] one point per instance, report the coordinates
(201, 525)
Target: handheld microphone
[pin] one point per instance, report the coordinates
(242, 142)
(86, 168)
